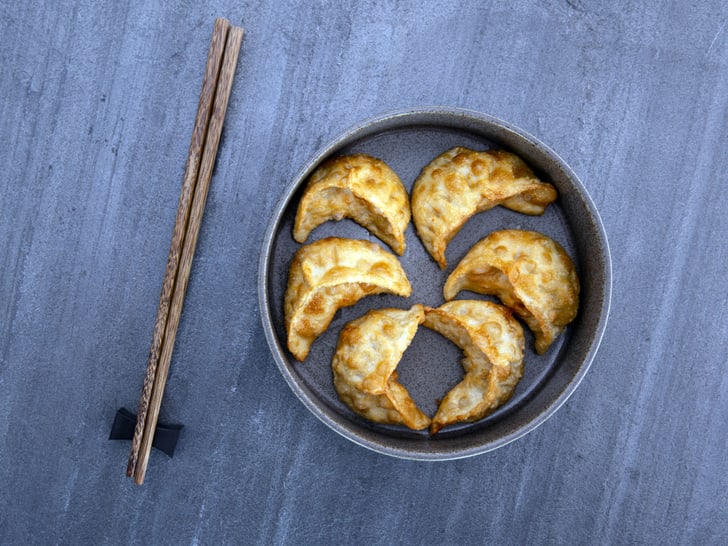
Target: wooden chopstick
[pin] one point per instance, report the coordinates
(199, 133)
(217, 84)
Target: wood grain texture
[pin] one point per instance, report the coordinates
(209, 154)
(205, 109)
(633, 95)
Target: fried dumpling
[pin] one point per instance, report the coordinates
(461, 182)
(359, 187)
(365, 362)
(492, 342)
(332, 273)
(529, 272)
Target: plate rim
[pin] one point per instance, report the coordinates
(403, 117)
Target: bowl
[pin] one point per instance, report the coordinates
(407, 140)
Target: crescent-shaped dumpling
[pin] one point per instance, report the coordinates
(332, 273)
(461, 182)
(529, 272)
(365, 363)
(359, 187)
(492, 341)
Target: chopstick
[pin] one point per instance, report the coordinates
(199, 132)
(217, 84)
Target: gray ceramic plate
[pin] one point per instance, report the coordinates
(407, 141)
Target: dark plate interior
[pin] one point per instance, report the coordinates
(407, 141)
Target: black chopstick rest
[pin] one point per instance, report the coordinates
(165, 436)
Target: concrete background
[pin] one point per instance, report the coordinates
(97, 106)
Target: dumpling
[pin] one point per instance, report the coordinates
(529, 272)
(365, 362)
(461, 182)
(492, 342)
(359, 187)
(332, 273)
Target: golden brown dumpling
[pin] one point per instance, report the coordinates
(332, 273)
(365, 362)
(359, 187)
(492, 341)
(529, 272)
(462, 182)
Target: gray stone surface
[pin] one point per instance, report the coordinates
(96, 111)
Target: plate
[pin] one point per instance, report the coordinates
(408, 140)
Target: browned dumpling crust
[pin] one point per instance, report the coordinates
(529, 272)
(330, 274)
(359, 187)
(365, 362)
(493, 344)
(461, 182)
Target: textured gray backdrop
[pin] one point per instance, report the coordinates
(97, 104)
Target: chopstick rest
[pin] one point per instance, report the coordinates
(165, 436)
(217, 84)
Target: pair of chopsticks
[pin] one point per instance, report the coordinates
(219, 72)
